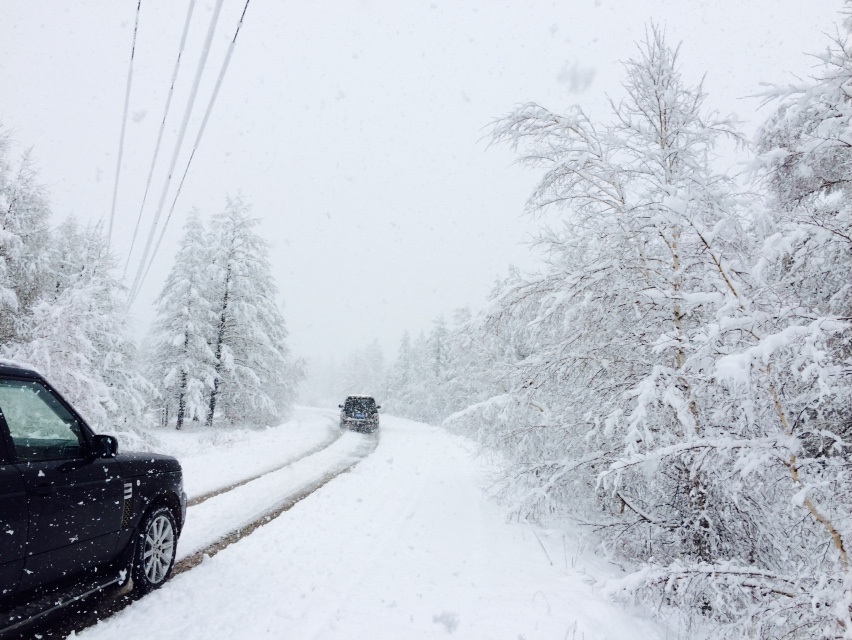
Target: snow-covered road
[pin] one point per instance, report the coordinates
(404, 545)
(208, 522)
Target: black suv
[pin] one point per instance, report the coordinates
(75, 515)
(359, 413)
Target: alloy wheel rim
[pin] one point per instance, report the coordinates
(159, 549)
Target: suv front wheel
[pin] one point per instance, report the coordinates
(156, 548)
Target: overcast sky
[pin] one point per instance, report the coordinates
(357, 130)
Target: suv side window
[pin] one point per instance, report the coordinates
(40, 425)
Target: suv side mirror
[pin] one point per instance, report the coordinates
(105, 446)
(340, 406)
(378, 406)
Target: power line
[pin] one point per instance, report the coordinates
(123, 122)
(222, 72)
(160, 134)
(181, 133)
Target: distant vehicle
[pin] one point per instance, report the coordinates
(76, 516)
(360, 413)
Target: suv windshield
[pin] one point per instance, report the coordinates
(360, 405)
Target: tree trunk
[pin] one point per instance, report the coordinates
(211, 409)
(220, 338)
(181, 401)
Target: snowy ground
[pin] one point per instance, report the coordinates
(404, 545)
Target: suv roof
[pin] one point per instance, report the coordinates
(19, 369)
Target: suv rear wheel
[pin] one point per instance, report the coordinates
(156, 548)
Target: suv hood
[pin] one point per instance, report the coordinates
(146, 464)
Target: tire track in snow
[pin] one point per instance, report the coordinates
(334, 436)
(286, 504)
(213, 520)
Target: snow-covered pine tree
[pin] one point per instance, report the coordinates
(78, 333)
(181, 359)
(491, 344)
(466, 379)
(411, 381)
(24, 241)
(438, 366)
(442, 373)
(255, 379)
(417, 392)
(399, 379)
